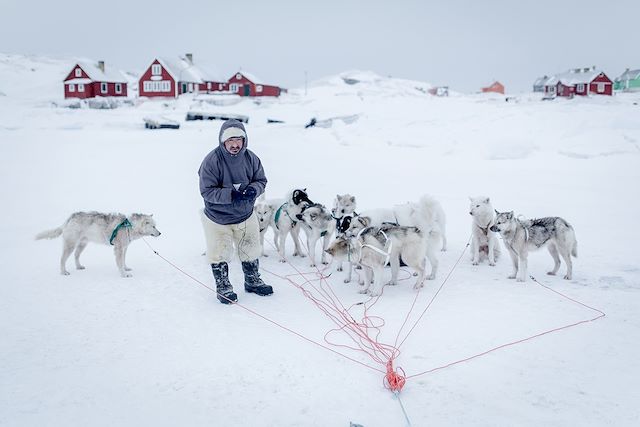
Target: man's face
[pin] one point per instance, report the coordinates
(234, 145)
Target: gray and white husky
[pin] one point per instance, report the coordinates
(427, 215)
(265, 210)
(317, 222)
(344, 209)
(522, 236)
(287, 222)
(483, 240)
(110, 229)
(375, 246)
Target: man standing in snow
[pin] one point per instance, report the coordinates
(231, 178)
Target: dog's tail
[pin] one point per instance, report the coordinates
(50, 234)
(574, 249)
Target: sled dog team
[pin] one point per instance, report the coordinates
(411, 233)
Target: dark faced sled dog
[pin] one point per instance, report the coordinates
(522, 236)
(110, 229)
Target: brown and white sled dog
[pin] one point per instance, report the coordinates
(375, 246)
(265, 210)
(110, 229)
(287, 222)
(484, 242)
(317, 223)
(522, 236)
(427, 215)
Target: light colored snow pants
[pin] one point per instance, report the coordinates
(221, 239)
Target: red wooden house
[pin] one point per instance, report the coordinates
(88, 80)
(172, 77)
(579, 81)
(496, 87)
(246, 84)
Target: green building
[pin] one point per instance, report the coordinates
(629, 81)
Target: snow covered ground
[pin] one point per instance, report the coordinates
(158, 349)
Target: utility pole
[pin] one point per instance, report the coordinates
(305, 83)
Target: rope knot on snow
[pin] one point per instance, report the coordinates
(394, 380)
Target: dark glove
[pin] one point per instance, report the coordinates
(248, 194)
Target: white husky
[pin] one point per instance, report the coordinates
(483, 240)
(427, 215)
(286, 220)
(266, 212)
(110, 229)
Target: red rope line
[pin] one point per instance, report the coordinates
(512, 343)
(260, 315)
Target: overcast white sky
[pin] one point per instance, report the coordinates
(463, 44)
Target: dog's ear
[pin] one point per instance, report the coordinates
(364, 220)
(470, 198)
(353, 199)
(497, 213)
(338, 197)
(304, 189)
(510, 215)
(487, 200)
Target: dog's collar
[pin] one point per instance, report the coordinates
(124, 224)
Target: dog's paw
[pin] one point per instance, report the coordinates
(551, 273)
(339, 268)
(313, 264)
(520, 279)
(363, 291)
(567, 277)
(126, 275)
(475, 263)
(80, 267)
(511, 276)
(347, 280)
(65, 273)
(431, 277)
(391, 283)
(492, 263)
(325, 262)
(265, 255)
(125, 269)
(282, 260)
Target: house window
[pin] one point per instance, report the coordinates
(80, 87)
(580, 87)
(118, 88)
(220, 86)
(156, 70)
(72, 87)
(103, 87)
(600, 88)
(238, 76)
(190, 87)
(259, 88)
(155, 86)
(233, 87)
(208, 85)
(78, 72)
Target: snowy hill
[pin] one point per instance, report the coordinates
(158, 349)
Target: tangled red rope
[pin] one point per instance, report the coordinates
(364, 333)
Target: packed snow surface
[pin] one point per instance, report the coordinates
(158, 349)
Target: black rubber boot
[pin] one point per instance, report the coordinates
(252, 281)
(223, 285)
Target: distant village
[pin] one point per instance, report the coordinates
(172, 77)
